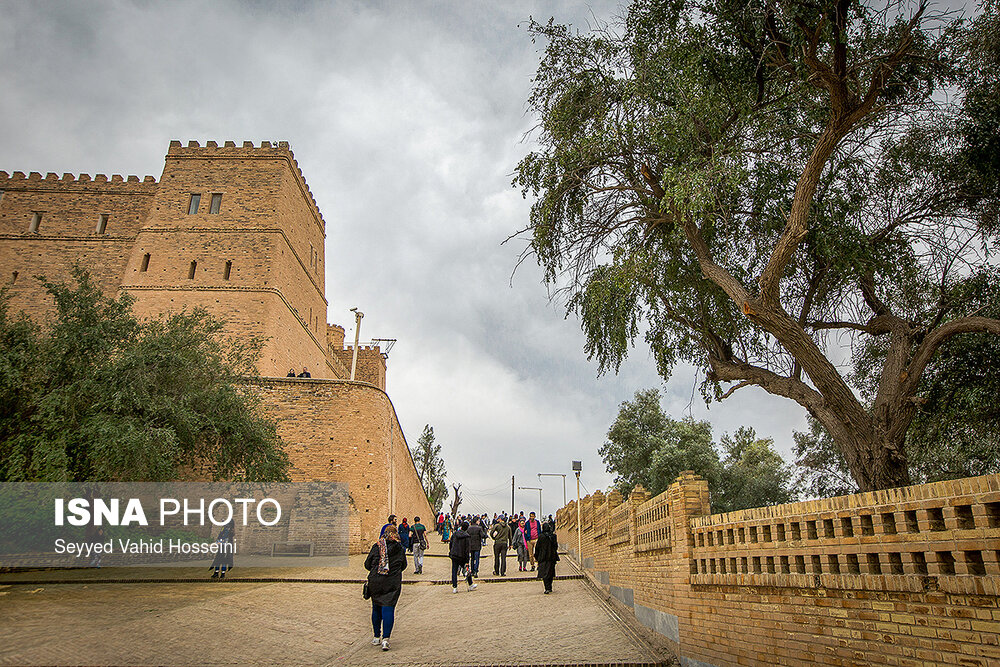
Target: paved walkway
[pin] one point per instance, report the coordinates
(191, 622)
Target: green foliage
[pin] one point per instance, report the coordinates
(822, 471)
(99, 396)
(647, 447)
(753, 474)
(430, 468)
(675, 142)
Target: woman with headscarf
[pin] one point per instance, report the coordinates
(446, 529)
(547, 554)
(385, 564)
(521, 544)
(404, 535)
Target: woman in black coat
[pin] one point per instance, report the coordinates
(385, 564)
(547, 554)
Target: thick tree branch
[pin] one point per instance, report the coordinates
(934, 340)
(846, 112)
(744, 373)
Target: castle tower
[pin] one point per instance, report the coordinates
(235, 230)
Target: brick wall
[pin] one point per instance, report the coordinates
(904, 576)
(341, 431)
(71, 209)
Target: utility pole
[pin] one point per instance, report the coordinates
(357, 337)
(512, 495)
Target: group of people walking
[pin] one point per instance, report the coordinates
(534, 541)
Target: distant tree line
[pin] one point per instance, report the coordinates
(646, 447)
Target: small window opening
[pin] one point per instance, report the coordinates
(194, 204)
(102, 224)
(216, 204)
(227, 270)
(896, 563)
(965, 519)
(145, 262)
(194, 267)
(36, 221)
(817, 565)
(13, 278)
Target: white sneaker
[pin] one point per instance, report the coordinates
(454, 589)
(376, 641)
(473, 587)
(385, 644)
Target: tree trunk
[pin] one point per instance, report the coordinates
(876, 460)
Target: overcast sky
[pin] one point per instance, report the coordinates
(407, 120)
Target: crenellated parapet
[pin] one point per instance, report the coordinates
(247, 150)
(77, 183)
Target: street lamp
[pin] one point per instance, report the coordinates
(577, 467)
(535, 488)
(357, 337)
(555, 474)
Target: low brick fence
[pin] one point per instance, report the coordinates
(905, 576)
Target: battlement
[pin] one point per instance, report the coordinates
(247, 151)
(34, 180)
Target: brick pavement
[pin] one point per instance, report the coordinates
(190, 622)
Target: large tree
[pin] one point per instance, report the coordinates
(756, 186)
(430, 468)
(98, 396)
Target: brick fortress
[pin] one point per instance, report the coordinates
(235, 230)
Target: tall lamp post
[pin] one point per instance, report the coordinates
(357, 337)
(577, 467)
(535, 488)
(555, 474)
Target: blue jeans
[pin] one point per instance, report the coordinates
(382, 618)
(474, 561)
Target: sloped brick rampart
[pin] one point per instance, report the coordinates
(342, 431)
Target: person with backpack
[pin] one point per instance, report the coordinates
(418, 541)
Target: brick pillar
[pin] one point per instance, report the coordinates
(688, 497)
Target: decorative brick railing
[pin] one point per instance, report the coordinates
(619, 524)
(885, 540)
(906, 576)
(652, 522)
